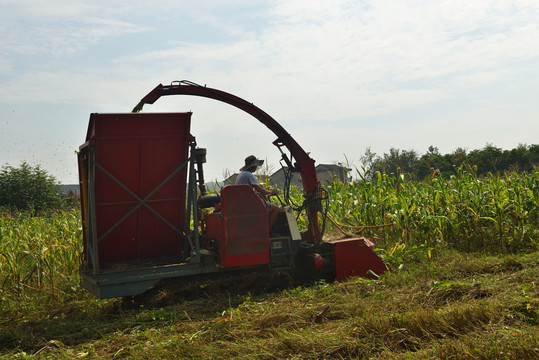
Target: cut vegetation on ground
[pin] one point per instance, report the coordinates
(453, 307)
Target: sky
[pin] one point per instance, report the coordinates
(340, 76)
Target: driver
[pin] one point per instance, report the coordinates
(246, 177)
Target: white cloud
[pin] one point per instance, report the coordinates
(312, 65)
(55, 29)
(396, 41)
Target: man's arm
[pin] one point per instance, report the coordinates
(262, 191)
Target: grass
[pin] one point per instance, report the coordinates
(460, 306)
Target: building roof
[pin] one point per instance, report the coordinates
(75, 188)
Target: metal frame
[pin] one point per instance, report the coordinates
(107, 284)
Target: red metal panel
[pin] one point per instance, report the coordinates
(135, 154)
(215, 231)
(354, 258)
(246, 227)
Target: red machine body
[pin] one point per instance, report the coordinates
(142, 211)
(240, 228)
(138, 192)
(346, 254)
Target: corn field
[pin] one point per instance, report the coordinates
(39, 253)
(498, 214)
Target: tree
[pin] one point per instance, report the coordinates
(28, 188)
(397, 161)
(533, 154)
(457, 157)
(433, 151)
(367, 159)
(488, 159)
(432, 161)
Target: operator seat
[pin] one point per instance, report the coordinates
(208, 201)
(240, 228)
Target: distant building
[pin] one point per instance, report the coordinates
(71, 192)
(278, 178)
(328, 173)
(325, 173)
(231, 180)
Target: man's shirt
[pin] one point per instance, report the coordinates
(246, 177)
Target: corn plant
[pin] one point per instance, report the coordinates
(496, 213)
(39, 252)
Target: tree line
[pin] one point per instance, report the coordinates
(32, 188)
(489, 159)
